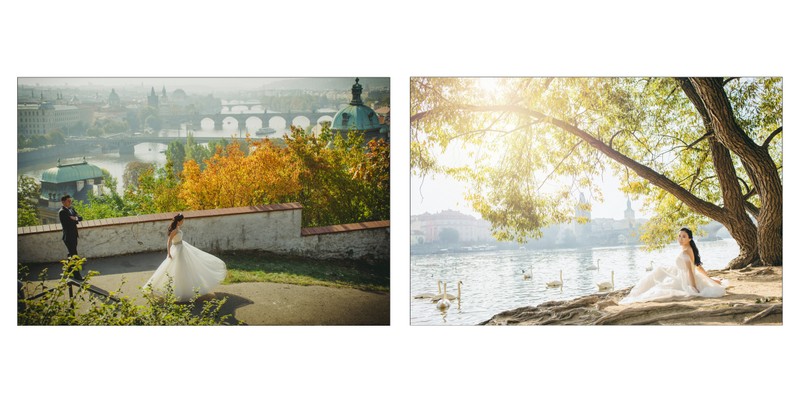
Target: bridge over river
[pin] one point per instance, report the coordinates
(219, 120)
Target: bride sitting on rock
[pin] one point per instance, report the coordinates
(190, 268)
(683, 280)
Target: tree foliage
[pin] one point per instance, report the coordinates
(529, 145)
(56, 307)
(342, 181)
(231, 179)
(337, 180)
(28, 192)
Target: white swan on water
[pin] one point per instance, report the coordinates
(559, 282)
(650, 268)
(430, 295)
(443, 303)
(603, 286)
(444, 295)
(527, 275)
(597, 267)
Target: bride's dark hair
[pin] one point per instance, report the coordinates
(694, 247)
(179, 217)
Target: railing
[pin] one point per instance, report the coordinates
(72, 282)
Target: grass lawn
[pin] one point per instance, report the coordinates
(249, 266)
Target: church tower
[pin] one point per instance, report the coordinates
(152, 99)
(629, 215)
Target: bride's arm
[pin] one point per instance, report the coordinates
(169, 242)
(690, 267)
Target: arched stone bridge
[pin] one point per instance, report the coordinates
(314, 118)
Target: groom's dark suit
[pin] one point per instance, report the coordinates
(70, 233)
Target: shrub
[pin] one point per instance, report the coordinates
(55, 306)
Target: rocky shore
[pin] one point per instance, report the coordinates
(754, 297)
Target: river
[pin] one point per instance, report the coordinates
(493, 281)
(151, 153)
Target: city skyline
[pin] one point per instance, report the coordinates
(201, 84)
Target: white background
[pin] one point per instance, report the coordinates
(400, 39)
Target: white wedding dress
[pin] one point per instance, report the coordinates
(191, 270)
(672, 283)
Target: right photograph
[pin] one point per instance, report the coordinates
(596, 201)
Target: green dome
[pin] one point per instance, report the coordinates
(356, 116)
(71, 173)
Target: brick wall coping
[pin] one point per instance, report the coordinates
(322, 230)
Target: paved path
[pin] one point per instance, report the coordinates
(252, 303)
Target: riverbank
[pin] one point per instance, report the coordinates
(754, 297)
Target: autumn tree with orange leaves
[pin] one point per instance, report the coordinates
(231, 179)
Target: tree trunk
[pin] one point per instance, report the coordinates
(736, 220)
(766, 176)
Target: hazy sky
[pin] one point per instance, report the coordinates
(194, 83)
(440, 192)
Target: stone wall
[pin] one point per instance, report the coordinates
(275, 228)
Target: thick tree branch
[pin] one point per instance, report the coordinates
(771, 135)
(704, 207)
(419, 116)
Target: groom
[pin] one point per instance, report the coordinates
(69, 224)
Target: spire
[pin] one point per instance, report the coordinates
(356, 95)
(152, 91)
(629, 203)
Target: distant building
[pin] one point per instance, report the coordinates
(75, 179)
(600, 231)
(113, 100)
(152, 99)
(358, 117)
(38, 119)
(428, 227)
(629, 215)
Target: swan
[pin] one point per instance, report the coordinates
(596, 267)
(650, 268)
(559, 282)
(527, 275)
(430, 295)
(603, 286)
(443, 303)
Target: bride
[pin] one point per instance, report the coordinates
(683, 280)
(191, 269)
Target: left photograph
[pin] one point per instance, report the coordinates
(203, 201)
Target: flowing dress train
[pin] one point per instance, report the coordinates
(191, 270)
(671, 283)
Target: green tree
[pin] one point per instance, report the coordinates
(148, 118)
(688, 146)
(94, 132)
(133, 170)
(28, 191)
(55, 136)
(176, 155)
(98, 207)
(196, 151)
(342, 180)
(157, 192)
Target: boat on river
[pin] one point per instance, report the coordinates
(265, 131)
